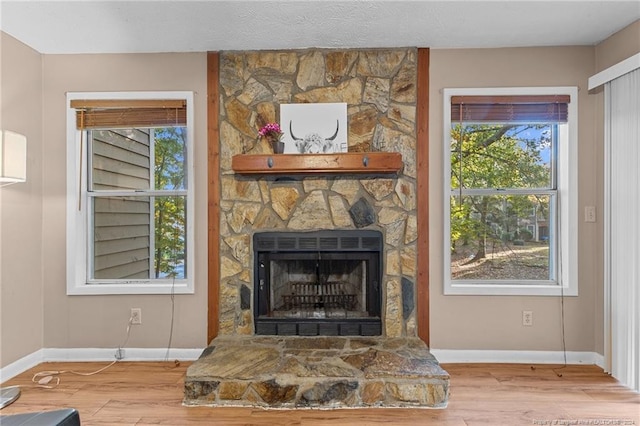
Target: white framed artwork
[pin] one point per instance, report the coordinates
(314, 128)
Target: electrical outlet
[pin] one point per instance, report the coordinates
(527, 318)
(119, 353)
(590, 213)
(136, 316)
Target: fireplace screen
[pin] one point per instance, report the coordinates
(320, 283)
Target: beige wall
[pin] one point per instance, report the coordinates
(618, 47)
(495, 322)
(21, 271)
(100, 321)
(32, 215)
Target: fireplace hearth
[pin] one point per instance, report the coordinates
(318, 283)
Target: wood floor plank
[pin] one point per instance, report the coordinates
(604, 410)
(507, 412)
(150, 393)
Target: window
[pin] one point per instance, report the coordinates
(129, 193)
(510, 191)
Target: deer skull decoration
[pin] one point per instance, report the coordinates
(313, 143)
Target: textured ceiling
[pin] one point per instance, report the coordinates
(186, 26)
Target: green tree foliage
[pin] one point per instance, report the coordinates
(495, 156)
(170, 217)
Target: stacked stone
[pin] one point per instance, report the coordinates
(317, 372)
(379, 87)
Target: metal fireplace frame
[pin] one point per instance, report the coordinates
(326, 244)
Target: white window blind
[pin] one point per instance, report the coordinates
(622, 229)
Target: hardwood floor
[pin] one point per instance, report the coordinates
(150, 393)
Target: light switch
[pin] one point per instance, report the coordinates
(590, 213)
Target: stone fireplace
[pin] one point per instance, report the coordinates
(379, 87)
(317, 283)
(326, 262)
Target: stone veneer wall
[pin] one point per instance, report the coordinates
(379, 87)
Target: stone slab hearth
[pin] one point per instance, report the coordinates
(316, 372)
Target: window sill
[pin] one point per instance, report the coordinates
(513, 289)
(182, 287)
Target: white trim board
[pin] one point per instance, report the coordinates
(457, 356)
(130, 354)
(21, 365)
(95, 355)
(615, 71)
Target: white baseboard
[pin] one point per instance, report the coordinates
(130, 354)
(21, 365)
(455, 356)
(444, 356)
(95, 354)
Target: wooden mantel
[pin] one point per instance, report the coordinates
(348, 162)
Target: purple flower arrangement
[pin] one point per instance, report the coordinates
(271, 131)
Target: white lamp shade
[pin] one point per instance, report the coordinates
(13, 157)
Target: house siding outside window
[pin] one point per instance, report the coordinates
(130, 214)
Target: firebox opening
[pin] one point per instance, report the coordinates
(318, 283)
(319, 288)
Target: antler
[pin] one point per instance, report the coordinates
(336, 133)
(291, 132)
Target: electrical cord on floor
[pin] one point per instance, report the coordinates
(173, 299)
(564, 343)
(173, 309)
(176, 362)
(118, 353)
(562, 322)
(51, 379)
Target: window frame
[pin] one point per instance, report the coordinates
(567, 203)
(78, 207)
